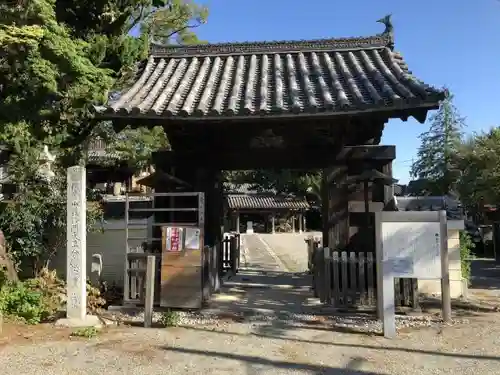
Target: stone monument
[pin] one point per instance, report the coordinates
(76, 252)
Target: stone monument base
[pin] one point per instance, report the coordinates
(88, 321)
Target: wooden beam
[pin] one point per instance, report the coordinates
(275, 158)
(359, 206)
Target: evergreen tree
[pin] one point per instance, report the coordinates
(436, 163)
(58, 58)
(479, 163)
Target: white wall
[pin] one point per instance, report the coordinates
(111, 245)
(433, 287)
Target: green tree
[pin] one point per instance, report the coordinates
(133, 146)
(479, 162)
(58, 59)
(435, 164)
(298, 182)
(33, 220)
(47, 79)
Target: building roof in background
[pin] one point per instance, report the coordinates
(399, 190)
(453, 207)
(246, 188)
(279, 78)
(244, 201)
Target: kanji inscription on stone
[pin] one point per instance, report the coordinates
(76, 246)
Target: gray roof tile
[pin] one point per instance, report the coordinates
(332, 76)
(244, 201)
(246, 188)
(453, 207)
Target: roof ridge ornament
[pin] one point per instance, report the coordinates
(389, 29)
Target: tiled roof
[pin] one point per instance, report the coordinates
(286, 78)
(245, 188)
(243, 201)
(102, 156)
(431, 203)
(399, 190)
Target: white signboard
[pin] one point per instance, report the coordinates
(408, 244)
(192, 240)
(412, 249)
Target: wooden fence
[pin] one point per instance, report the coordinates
(230, 254)
(344, 279)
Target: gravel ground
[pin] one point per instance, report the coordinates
(248, 348)
(362, 323)
(257, 330)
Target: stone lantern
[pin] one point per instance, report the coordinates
(45, 161)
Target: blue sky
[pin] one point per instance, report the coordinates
(453, 43)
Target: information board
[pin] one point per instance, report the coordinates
(412, 249)
(173, 239)
(192, 239)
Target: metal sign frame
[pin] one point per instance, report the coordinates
(385, 275)
(132, 271)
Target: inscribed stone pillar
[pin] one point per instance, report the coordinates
(76, 306)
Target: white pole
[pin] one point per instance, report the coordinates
(150, 291)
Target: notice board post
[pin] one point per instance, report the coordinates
(410, 245)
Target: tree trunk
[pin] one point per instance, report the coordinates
(6, 263)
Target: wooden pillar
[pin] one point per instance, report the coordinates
(388, 190)
(213, 203)
(237, 213)
(293, 223)
(273, 224)
(335, 207)
(300, 223)
(305, 223)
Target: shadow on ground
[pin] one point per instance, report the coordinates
(274, 336)
(255, 365)
(258, 293)
(485, 274)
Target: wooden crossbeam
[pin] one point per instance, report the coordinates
(276, 158)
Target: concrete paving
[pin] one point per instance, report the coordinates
(264, 285)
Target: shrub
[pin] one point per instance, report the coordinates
(18, 300)
(41, 298)
(95, 301)
(87, 332)
(170, 318)
(52, 290)
(466, 255)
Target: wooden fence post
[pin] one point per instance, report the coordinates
(327, 282)
(233, 255)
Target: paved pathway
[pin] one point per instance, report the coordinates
(290, 248)
(264, 286)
